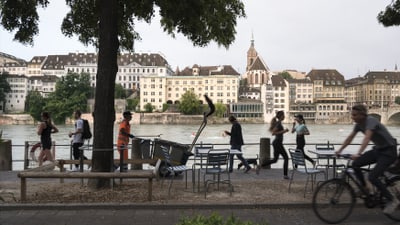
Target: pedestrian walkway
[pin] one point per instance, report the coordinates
(143, 213)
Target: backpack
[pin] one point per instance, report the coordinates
(86, 134)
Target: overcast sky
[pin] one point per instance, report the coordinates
(291, 34)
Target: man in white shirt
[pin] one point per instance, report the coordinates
(77, 140)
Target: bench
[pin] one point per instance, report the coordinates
(136, 174)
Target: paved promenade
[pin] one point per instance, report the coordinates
(155, 213)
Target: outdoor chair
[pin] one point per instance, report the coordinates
(217, 165)
(171, 168)
(199, 159)
(300, 166)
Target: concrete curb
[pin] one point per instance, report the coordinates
(146, 206)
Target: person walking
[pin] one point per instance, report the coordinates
(301, 130)
(45, 128)
(276, 128)
(124, 134)
(77, 140)
(383, 154)
(236, 142)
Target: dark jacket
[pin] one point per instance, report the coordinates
(236, 134)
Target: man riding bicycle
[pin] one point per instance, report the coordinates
(384, 152)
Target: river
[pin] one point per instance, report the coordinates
(184, 134)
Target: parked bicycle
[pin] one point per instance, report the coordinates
(334, 199)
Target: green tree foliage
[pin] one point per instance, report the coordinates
(397, 100)
(34, 104)
(148, 108)
(165, 107)
(391, 15)
(132, 103)
(109, 25)
(285, 75)
(189, 103)
(72, 92)
(120, 92)
(4, 88)
(220, 109)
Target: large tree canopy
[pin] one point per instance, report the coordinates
(34, 104)
(109, 25)
(391, 15)
(72, 92)
(189, 103)
(4, 87)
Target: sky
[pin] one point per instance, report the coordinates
(292, 34)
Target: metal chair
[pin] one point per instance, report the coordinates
(199, 159)
(172, 168)
(217, 165)
(299, 165)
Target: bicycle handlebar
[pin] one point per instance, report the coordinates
(344, 156)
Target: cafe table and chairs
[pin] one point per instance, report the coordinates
(326, 158)
(201, 161)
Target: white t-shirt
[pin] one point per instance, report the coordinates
(78, 136)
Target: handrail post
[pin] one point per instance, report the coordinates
(26, 160)
(81, 162)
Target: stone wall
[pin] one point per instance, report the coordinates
(15, 119)
(137, 118)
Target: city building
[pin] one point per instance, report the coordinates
(376, 89)
(15, 100)
(257, 72)
(220, 83)
(328, 95)
(44, 71)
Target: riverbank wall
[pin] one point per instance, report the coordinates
(137, 118)
(16, 119)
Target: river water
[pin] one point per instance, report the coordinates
(184, 134)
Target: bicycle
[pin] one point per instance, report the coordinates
(333, 200)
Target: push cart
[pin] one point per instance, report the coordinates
(179, 153)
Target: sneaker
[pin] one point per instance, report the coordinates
(391, 206)
(286, 177)
(247, 169)
(75, 169)
(258, 169)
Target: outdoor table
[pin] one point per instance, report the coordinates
(327, 154)
(203, 155)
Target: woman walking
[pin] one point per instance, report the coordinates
(301, 130)
(45, 129)
(277, 129)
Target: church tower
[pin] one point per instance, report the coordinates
(251, 54)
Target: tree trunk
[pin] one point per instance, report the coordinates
(104, 113)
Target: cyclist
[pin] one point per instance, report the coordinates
(383, 153)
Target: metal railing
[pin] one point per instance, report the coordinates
(27, 157)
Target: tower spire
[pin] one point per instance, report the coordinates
(252, 39)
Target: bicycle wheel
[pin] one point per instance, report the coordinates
(333, 201)
(394, 188)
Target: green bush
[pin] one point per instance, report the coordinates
(214, 219)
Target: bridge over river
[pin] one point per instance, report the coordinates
(387, 115)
